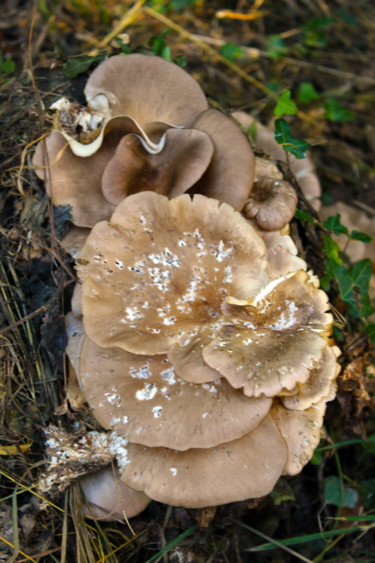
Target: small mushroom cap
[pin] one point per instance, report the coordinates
(266, 169)
(185, 255)
(147, 88)
(301, 432)
(274, 344)
(141, 397)
(245, 468)
(74, 240)
(230, 175)
(107, 498)
(319, 383)
(303, 168)
(281, 254)
(172, 171)
(272, 203)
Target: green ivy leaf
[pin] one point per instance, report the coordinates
(334, 111)
(333, 223)
(284, 137)
(78, 65)
(231, 51)
(360, 275)
(306, 93)
(303, 216)
(332, 493)
(358, 235)
(285, 105)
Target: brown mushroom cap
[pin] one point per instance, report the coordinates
(184, 255)
(303, 168)
(172, 171)
(245, 468)
(230, 175)
(147, 88)
(107, 498)
(272, 203)
(319, 383)
(141, 397)
(301, 432)
(281, 254)
(75, 181)
(75, 239)
(273, 345)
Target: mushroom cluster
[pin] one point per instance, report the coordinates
(198, 338)
(203, 345)
(147, 127)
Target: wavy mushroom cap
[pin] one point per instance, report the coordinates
(149, 89)
(303, 168)
(147, 127)
(204, 348)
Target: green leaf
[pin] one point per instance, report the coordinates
(284, 137)
(303, 216)
(333, 224)
(285, 105)
(276, 47)
(333, 490)
(78, 65)
(358, 235)
(370, 329)
(126, 49)
(179, 5)
(334, 111)
(7, 64)
(306, 93)
(360, 275)
(231, 51)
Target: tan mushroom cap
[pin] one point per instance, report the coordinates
(276, 343)
(107, 498)
(76, 336)
(319, 384)
(161, 269)
(230, 175)
(172, 171)
(281, 254)
(303, 168)
(141, 397)
(75, 239)
(148, 88)
(265, 168)
(301, 432)
(245, 468)
(75, 181)
(272, 203)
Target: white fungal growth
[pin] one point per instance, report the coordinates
(133, 314)
(169, 376)
(220, 252)
(112, 398)
(147, 393)
(165, 258)
(210, 388)
(118, 448)
(174, 471)
(141, 373)
(157, 411)
(119, 264)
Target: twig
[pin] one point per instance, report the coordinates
(181, 31)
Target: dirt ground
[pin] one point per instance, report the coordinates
(244, 54)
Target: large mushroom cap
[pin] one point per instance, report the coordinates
(162, 268)
(245, 468)
(147, 88)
